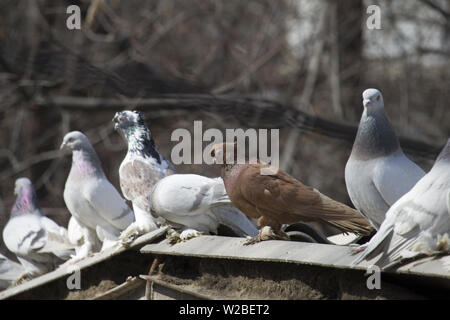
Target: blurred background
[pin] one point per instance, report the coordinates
(298, 65)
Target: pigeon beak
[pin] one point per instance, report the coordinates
(366, 102)
(62, 146)
(116, 122)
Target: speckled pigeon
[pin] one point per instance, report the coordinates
(38, 242)
(96, 204)
(418, 223)
(378, 173)
(142, 167)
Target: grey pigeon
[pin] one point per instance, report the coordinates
(197, 204)
(38, 242)
(95, 203)
(377, 173)
(142, 167)
(418, 223)
(9, 271)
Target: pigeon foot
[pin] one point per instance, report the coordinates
(173, 236)
(189, 234)
(266, 233)
(443, 242)
(130, 234)
(24, 277)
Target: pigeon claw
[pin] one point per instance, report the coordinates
(443, 242)
(266, 233)
(173, 237)
(24, 277)
(129, 234)
(189, 234)
(252, 240)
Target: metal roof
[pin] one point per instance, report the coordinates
(65, 270)
(287, 251)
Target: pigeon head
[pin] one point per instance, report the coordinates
(75, 140)
(131, 125)
(22, 184)
(372, 98)
(26, 196)
(127, 119)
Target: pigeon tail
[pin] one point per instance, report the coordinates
(360, 226)
(343, 217)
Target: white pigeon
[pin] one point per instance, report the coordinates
(9, 271)
(197, 204)
(377, 173)
(96, 204)
(418, 223)
(38, 242)
(142, 167)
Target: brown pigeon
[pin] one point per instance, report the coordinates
(278, 198)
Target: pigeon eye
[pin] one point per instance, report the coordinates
(121, 118)
(378, 98)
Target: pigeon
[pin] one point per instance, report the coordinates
(196, 205)
(377, 172)
(96, 204)
(142, 167)
(9, 271)
(38, 242)
(277, 198)
(418, 223)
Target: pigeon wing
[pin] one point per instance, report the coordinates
(399, 235)
(137, 179)
(187, 194)
(284, 194)
(57, 239)
(24, 234)
(109, 204)
(448, 202)
(288, 200)
(395, 176)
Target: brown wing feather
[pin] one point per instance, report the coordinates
(282, 198)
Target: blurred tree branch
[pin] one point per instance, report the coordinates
(436, 7)
(272, 114)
